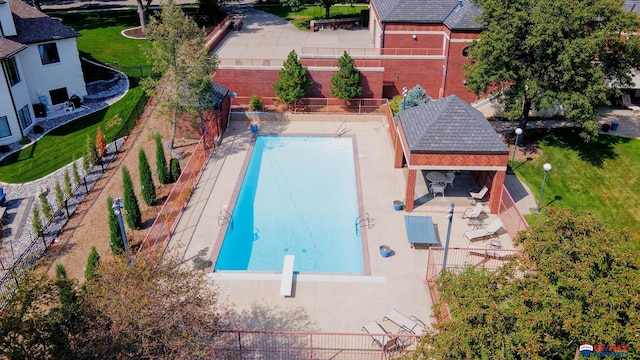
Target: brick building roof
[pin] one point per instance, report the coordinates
(453, 13)
(34, 26)
(449, 126)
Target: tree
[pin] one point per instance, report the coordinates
(174, 164)
(176, 50)
(93, 261)
(132, 213)
(47, 211)
(59, 194)
(30, 325)
(155, 308)
(76, 174)
(90, 154)
(101, 143)
(416, 96)
(146, 179)
(36, 222)
(115, 235)
(161, 162)
(67, 182)
(567, 63)
(294, 81)
(575, 281)
(345, 84)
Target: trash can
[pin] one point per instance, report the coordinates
(605, 127)
(254, 128)
(385, 251)
(614, 126)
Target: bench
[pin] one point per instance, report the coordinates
(286, 285)
(322, 24)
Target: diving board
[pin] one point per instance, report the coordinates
(420, 230)
(286, 285)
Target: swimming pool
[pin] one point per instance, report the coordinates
(298, 197)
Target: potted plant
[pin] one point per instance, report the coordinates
(385, 251)
(398, 205)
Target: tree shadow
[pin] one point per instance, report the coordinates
(594, 152)
(271, 317)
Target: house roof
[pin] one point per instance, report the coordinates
(449, 125)
(34, 26)
(218, 93)
(454, 13)
(9, 48)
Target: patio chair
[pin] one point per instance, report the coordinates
(473, 213)
(3, 197)
(475, 197)
(490, 231)
(449, 177)
(381, 336)
(410, 324)
(626, 102)
(438, 188)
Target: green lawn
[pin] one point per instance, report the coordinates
(302, 18)
(600, 177)
(102, 41)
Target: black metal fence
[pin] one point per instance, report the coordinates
(45, 238)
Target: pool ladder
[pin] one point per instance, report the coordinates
(225, 218)
(341, 129)
(363, 220)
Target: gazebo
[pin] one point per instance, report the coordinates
(449, 134)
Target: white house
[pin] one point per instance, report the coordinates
(40, 65)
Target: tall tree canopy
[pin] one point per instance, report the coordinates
(575, 282)
(552, 54)
(177, 50)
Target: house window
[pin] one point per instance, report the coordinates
(49, 53)
(5, 130)
(11, 69)
(465, 51)
(58, 96)
(25, 117)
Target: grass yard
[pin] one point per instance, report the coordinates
(302, 18)
(599, 177)
(102, 41)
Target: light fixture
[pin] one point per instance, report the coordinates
(546, 167)
(415, 37)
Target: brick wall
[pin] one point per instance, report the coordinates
(246, 82)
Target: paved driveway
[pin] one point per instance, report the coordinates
(266, 36)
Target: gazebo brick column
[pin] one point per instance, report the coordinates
(397, 161)
(496, 191)
(411, 190)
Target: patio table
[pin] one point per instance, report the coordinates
(436, 177)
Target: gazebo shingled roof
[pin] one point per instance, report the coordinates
(449, 134)
(451, 126)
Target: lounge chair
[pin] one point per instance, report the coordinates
(475, 197)
(490, 231)
(473, 213)
(3, 197)
(626, 102)
(381, 336)
(410, 324)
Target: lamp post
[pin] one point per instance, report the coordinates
(446, 245)
(404, 97)
(515, 146)
(546, 167)
(117, 209)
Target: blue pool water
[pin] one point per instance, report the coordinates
(298, 197)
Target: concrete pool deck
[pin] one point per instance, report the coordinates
(328, 303)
